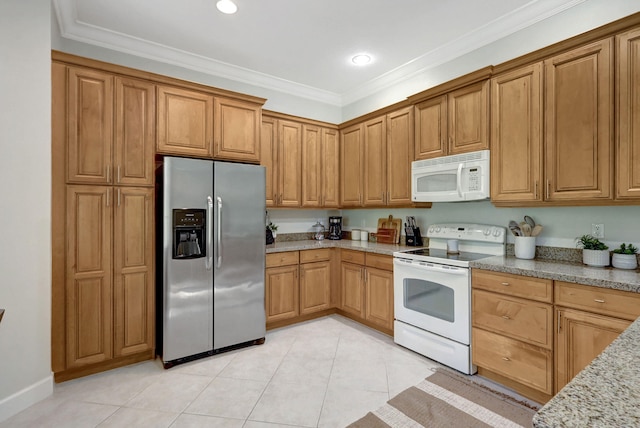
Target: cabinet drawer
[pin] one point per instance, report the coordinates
(318, 255)
(514, 285)
(281, 259)
(352, 256)
(621, 304)
(380, 261)
(520, 319)
(526, 364)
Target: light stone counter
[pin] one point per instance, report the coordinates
(607, 392)
(369, 247)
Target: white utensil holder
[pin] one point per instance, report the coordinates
(525, 247)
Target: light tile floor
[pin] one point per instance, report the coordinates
(322, 373)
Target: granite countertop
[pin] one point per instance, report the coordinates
(605, 394)
(310, 244)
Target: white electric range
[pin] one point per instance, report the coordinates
(432, 291)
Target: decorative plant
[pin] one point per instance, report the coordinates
(589, 242)
(626, 249)
(272, 227)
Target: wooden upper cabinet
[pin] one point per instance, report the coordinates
(516, 135)
(628, 102)
(133, 257)
(289, 163)
(468, 112)
(185, 122)
(89, 270)
(89, 126)
(400, 146)
(375, 161)
(579, 118)
(351, 165)
(236, 130)
(269, 157)
(135, 130)
(431, 134)
(311, 166)
(330, 168)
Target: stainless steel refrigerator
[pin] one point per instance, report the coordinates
(213, 239)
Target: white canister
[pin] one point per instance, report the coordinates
(452, 246)
(525, 247)
(355, 234)
(364, 235)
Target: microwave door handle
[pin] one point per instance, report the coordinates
(459, 180)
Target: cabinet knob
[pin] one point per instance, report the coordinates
(599, 300)
(505, 284)
(506, 358)
(506, 317)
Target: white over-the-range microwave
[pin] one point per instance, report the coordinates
(455, 178)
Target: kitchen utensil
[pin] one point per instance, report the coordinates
(536, 230)
(391, 223)
(525, 228)
(530, 221)
(515, 229)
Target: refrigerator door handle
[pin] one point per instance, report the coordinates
(209, 226)
(219, 233)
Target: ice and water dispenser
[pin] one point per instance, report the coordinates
(189, 231)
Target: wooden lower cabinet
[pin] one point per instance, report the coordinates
(581, 337)
(281, 299)
(378, 305)
(352, 285)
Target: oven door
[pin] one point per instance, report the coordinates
(433, 297)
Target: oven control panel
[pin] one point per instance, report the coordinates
(468, 231)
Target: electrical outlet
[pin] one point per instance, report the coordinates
(597, 230)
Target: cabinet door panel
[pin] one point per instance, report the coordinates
(330, 168)
(375, 161)
(468, 122)
(269, 157)
(311, 166)
(135, 132)
(289, 163)
(89, 126)
(579, 116)
(315, 287)
(352, 289)
(400, 132)
(282, 298)
(185, 122)
(133, 270)
(236, 130)
(351, 166)
(581, 337)
(379, 297)
(431, 128)
(89, 275)
(516, 135)
(628, 82)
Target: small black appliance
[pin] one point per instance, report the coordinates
(335, 227)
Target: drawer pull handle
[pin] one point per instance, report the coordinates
(506, 358)
(598, 300)
(506, 317)
(505, 283)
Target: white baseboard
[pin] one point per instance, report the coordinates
(28, 396)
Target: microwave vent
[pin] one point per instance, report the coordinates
(454, 159)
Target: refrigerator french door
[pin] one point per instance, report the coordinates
(213, 225)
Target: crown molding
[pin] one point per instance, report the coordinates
(534, 11)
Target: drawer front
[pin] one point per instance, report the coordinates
(520, 319)
(514, 285)
(621, 304)
(352, 256)
(281, 259)
(308, 256)
(526, 364)
(380, 261)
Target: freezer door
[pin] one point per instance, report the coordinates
(238, 253)
(187, 282)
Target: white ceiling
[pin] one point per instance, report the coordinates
(302, 47)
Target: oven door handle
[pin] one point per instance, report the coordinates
(433, 267)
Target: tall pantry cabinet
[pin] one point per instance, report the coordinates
(103, 134)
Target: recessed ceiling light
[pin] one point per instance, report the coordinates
(227, 6)
(361, 59)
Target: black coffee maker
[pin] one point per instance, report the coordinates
(335, 227)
